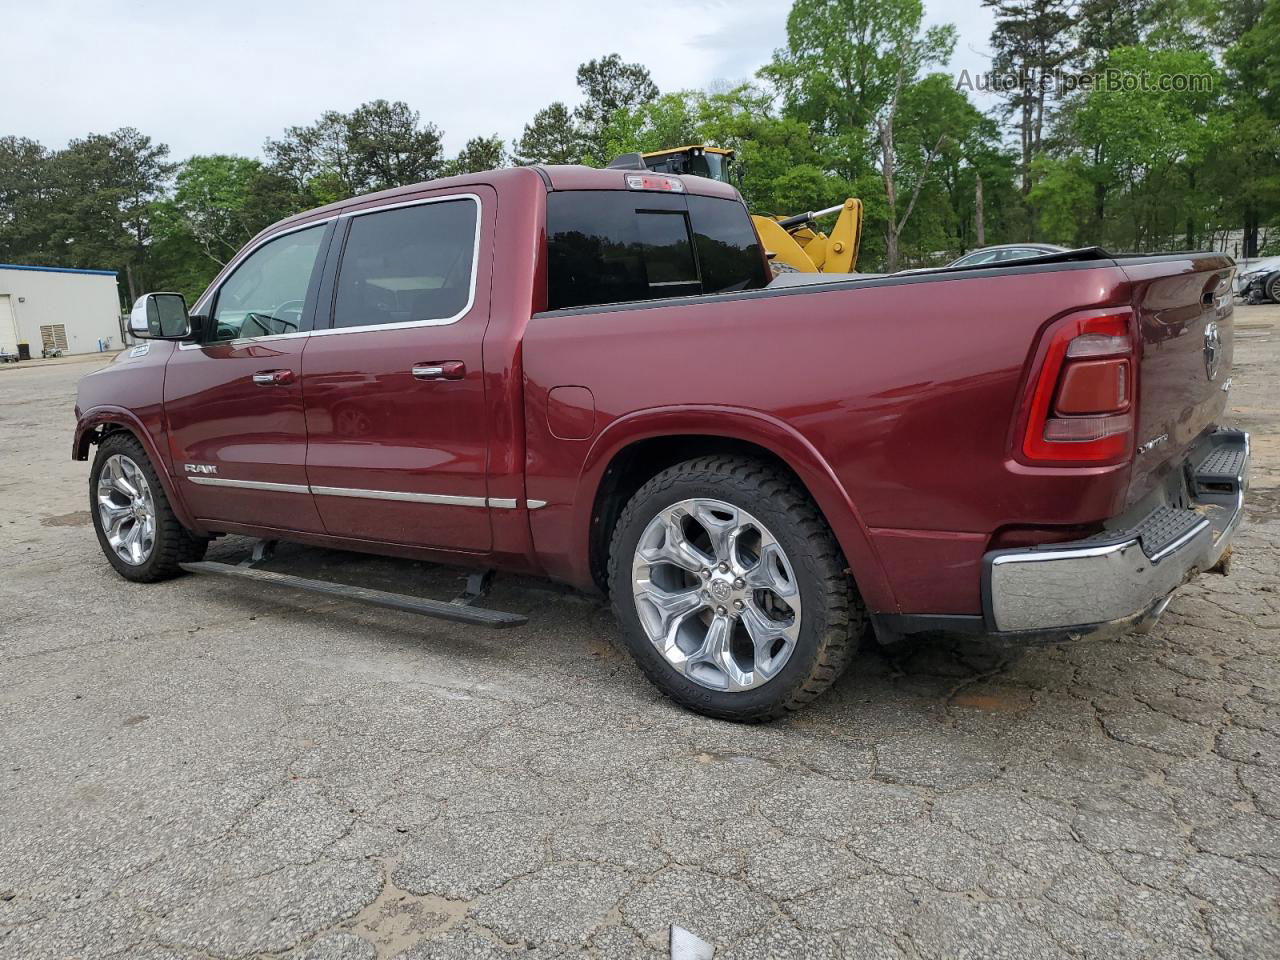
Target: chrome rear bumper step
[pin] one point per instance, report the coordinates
(1122, 579)
(440, 609)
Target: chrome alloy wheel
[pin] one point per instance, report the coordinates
(127, 509)
(716, 594)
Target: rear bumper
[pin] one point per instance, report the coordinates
(1121, 578)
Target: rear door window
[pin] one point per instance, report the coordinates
(619, 247)
(408, 265)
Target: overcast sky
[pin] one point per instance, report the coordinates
(222, 77)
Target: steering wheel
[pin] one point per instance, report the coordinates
(288, 307)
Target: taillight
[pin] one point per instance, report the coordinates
(1081, 404)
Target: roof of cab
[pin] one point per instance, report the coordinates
(591, 178)
(559, 177)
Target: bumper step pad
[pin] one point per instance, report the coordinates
(1165, 528)
(1222, 472)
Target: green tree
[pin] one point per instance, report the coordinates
(214, 197)
(478, 154)
(944, 146)
(104, 188)
(26, 202)
(391, 147)
(608, 85)
(1031, 41)
(1140, 150)
(842, 75)
(841, 66)
(378, 145)
(551, 137)
(1246, 168)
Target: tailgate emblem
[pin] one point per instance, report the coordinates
(1212, 347)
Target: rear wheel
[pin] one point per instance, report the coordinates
(137, 529)
(731, 589)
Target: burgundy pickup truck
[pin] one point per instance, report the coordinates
(591, 375)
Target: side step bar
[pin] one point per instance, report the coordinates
(456, 612)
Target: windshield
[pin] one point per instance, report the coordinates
(718, 166)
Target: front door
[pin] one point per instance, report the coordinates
(237, 426)
(395, 388)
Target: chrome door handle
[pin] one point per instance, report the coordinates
(448, 370)
(273, 378)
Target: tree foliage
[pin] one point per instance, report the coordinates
(552, 136)
(378, 145)
(608, 85)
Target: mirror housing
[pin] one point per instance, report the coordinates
(160, 316)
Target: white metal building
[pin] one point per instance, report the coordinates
(58, 308)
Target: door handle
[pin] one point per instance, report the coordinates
(448, 370)
(273, 378)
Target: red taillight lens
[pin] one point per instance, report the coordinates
(1080, 407)
(1093, 386)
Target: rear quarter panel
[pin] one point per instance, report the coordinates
(904, 389)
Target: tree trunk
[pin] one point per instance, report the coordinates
(131, 278)
(888, 173)
(1191, 223)
(979, 220)
(1250, 232)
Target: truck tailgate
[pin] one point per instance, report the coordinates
(1185, 323)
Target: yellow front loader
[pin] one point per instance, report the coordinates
(795, 244)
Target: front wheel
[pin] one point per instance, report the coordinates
(731, 589)
(137, 529)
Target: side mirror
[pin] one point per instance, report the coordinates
(160, 316)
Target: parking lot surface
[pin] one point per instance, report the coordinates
(202, 768)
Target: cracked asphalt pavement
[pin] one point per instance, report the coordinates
(204, 769)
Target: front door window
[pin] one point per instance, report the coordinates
(267, 293)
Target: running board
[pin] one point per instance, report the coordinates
(458, 613)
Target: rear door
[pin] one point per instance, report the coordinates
(234, 399)
(394, 386)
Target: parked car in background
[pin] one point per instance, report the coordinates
(1005, 252)
(1259, 281)
(590, 375)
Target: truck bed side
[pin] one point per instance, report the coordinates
(904, 388)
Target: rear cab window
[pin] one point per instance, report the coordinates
(611, 246)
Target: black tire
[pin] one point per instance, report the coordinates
(1273, 288)
(173, 544)
(833, 614)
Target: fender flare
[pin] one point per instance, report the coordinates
(128, 420)
(762, 430)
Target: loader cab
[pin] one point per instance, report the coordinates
(697, 160)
